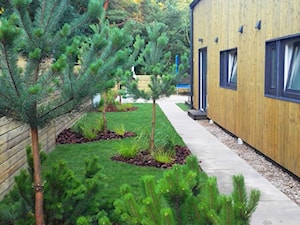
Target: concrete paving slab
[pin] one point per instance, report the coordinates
(218, 160)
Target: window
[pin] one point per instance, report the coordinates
(228, 69)
(282, 77)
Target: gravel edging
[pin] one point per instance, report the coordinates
(281, 179)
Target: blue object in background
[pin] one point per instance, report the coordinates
(177, 63)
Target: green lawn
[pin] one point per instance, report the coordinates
(116, 173)
(67, 197)
(183, 106)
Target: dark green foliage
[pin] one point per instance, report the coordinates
(186, 196)
(65, 196)
(155, 60)
(138, 15)
(18, 206)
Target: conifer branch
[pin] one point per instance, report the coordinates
(8, 99)
(26, 22)
(56, 108)
(10, 71)
(43, 11)
(49, 17)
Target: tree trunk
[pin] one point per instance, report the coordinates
(119, 92)
(104, 113)
(153, 126)
(105, 5)
(38, 183)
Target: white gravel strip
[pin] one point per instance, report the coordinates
(281, 179)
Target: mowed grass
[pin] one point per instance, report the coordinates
(183, 106)
(116, 173)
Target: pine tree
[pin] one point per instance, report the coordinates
(113, 72)
(44, 89)
(155, 60)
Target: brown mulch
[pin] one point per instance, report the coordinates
(114, 108)
(67, 136)
(144, 158)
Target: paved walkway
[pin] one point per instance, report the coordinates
(218, 160)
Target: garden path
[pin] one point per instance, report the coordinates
(218, 160)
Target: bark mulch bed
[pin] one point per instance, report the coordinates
(67, 136)
(114, 108)
(142, 159)
(145, 159)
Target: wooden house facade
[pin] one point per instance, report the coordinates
(246, 72)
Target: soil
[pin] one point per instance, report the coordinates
(113, 108)
(67, 136)
(144, 158)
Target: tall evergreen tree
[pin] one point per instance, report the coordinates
(42, 90)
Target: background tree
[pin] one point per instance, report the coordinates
(43, 90)
(140, 14)
(175, 14)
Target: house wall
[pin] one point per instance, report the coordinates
(271, 126)
(14, 138)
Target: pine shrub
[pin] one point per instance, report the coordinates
(186, 196)
(66, 198)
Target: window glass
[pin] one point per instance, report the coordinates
(232, 67)
(292, 74)
(282, 74)
(228, 69)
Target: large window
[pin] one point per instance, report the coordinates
(282, 78)
(228, 69)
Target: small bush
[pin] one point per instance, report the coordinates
(162, 155)
(120, 130)
(88, 125)
(128, 151)
(167, 138)
(111, 97)
(124, 106)
(142, 140)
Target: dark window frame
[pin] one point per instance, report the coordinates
(225, 76)
(276, 78)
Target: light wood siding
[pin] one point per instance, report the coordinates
(14, 138)
(271, 126)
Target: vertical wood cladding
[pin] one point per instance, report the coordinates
(272, 126)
